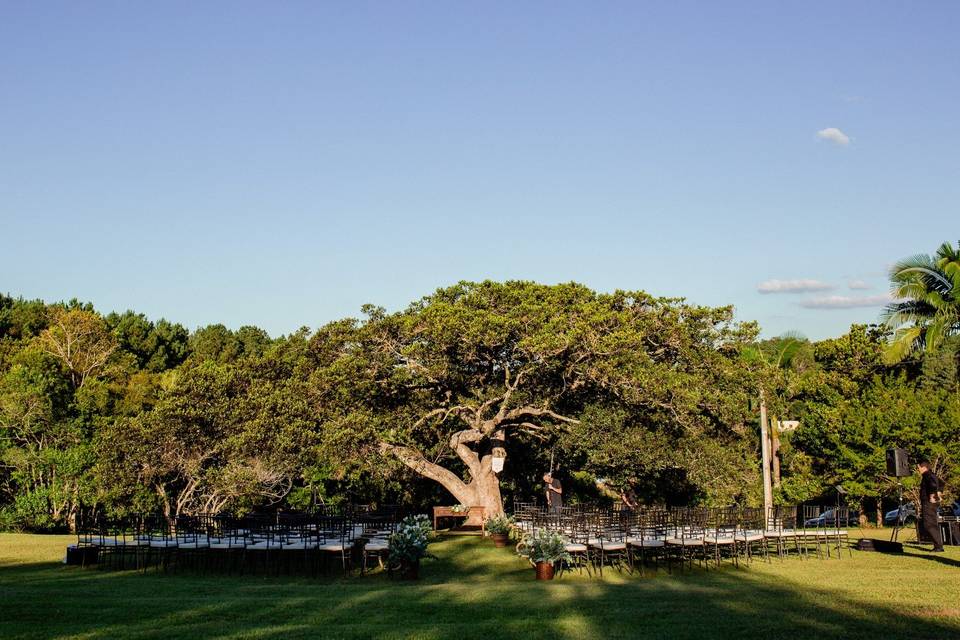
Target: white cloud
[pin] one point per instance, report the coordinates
(792, 286)
(845, 302)
(859, 285)
(834, 135)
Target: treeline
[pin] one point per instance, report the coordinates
(119, 413)
(122, 413)
(852, 407)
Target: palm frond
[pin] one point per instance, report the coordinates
(933, 334)
(905, 341)
(948, 253)
(898, 313)
(791, 344)
(926, 310)
(918, 261)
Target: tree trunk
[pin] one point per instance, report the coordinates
(164, 500)
(72, 519)
(486, 493)
(483, 490)
(475, 447)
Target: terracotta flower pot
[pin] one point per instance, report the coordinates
(500, 539)
(410, 571)
(544, 571)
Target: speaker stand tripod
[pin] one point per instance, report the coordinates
(900, 515)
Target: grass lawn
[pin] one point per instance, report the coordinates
(476, 591)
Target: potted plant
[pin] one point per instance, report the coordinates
(544, 550)
(499, 529)
(459, 508)
(409, 545)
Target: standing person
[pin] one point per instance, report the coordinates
(930, 497)
(554, 493)
(629, 498)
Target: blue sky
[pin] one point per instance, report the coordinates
(280, 164)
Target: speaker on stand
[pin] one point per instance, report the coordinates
(898, 466)
(898, 463)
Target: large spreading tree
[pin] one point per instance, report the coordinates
(465, 374)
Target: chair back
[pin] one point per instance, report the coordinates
(752, 520)
(841, 518)
(723, 522)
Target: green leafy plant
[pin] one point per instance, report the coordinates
(8, 520)
(459, 508)
(499, 524)
(544, 546)
(409, 544)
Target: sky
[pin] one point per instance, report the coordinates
(281, 164)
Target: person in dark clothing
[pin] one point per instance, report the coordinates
(930, 497)
(629, 498)
(554, 493)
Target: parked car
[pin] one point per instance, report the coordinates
(907, 514)
(829, 519)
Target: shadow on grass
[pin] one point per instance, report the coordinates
(939, 559)
(471, 591)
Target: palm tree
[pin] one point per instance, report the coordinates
(926, 310)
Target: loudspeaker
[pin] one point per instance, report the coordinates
(898, 463)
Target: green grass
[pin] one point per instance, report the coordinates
(475, 591)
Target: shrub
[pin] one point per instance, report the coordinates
(499, 524)
(409, 544)
(8, 520)
(544, 546)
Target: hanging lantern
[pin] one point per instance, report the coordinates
(499, 455)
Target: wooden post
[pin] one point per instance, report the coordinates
(775, 449)
(765, 454)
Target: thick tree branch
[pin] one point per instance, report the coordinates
(511, 387)
(415, 460)
(527, 413)
(532, 429)
(465, 412)
(458, 442)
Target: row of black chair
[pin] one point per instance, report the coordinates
(291, 542)
(628, 539)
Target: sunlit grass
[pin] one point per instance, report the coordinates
(476, 591)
